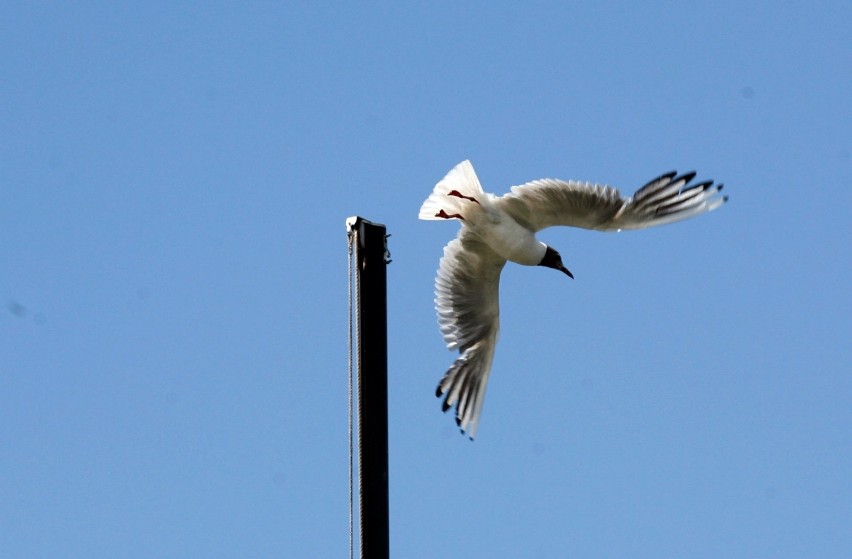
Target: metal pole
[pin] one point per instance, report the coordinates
(373, 390)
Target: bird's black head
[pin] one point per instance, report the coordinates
(552, 259)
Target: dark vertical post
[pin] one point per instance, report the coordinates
(373, 391)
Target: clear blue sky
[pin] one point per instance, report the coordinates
(174, 181)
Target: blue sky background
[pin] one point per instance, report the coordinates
(174, 182)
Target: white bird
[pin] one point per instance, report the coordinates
(496, 229)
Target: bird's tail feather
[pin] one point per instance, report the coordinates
(464, 385)
(461, 179)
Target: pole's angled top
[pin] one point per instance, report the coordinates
(351, 223)
(359, 224)
(356, 220)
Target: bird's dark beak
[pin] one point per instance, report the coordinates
(552, 259)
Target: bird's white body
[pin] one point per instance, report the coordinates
(511, 241)
(500, 229)
(497, 228)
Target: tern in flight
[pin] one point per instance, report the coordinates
(500, 228)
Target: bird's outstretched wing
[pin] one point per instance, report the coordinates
(666, 199)
(466, 298)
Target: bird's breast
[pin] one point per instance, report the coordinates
(512, 241)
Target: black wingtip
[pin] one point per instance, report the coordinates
(720, 186)
(469, 436)
(725, 199)
(665, 176)
(686, 177)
